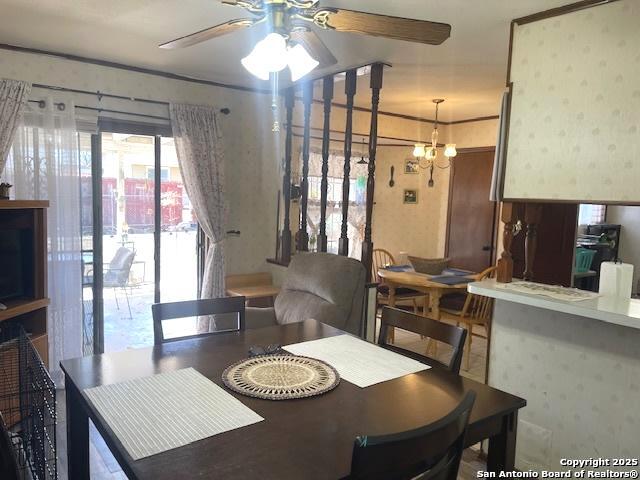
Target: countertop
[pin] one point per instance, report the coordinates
(618, 311)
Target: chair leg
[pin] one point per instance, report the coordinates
(468, 346)
(115, 295)
(126, 295)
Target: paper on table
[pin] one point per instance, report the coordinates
(357, 361)
(154, 414)
(557, 292)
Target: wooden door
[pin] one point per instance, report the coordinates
(471, 220)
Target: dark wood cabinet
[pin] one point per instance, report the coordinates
(27, 302)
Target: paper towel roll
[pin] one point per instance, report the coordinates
(616, 279)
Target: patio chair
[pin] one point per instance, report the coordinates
(117, 273)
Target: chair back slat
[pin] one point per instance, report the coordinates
(195, 308)
(381, 258)
(431, 452)
(442, 332)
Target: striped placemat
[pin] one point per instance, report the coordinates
(154, 414)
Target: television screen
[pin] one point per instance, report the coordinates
(14, 263)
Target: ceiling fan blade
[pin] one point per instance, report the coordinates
(398, 28)
(211, 32)
(315, 46)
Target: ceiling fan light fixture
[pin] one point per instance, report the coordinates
(300, 62)
(268, 56)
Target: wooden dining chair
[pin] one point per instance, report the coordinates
(381, 259)
(432, 452)
(426, 327)
(196, 308)
(477, 310)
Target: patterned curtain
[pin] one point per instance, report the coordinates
(197, 134)
(43, 165)
(13, 96)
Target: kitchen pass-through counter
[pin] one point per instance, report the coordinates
(578, 365)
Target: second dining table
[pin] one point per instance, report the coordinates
(423, 282)
(309, 438)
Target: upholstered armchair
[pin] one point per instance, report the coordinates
(326, 287)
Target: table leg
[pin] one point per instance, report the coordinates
(434, 303)
(77, 434)
(391, 336)
(502, 448)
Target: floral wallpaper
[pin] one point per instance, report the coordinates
(575, 117)
(579, 377)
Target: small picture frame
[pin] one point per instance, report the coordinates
(411, 166)
(411, 196)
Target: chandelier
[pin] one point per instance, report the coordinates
(426, 156)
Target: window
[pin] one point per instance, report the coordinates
(591, 214)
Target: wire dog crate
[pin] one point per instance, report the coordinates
(27, 405)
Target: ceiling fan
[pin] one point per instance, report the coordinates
(292, 42)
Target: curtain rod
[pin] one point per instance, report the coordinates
(62, 107)
(101, 95)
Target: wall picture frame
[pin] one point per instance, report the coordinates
(410, 196)
(411, 166)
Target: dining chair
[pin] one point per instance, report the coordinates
(426, 327)
(431, 452)
(196, 308)
(381, 259)
(477, 310)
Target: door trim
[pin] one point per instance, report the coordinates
(98, 259)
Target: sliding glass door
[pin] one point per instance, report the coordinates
(143, 237)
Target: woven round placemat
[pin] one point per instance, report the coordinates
(280, 377)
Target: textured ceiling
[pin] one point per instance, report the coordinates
(468, 70)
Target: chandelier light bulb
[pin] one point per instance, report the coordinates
(450, 150)
(419, 150)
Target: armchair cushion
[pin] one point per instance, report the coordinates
(259, 317)
(326, 287)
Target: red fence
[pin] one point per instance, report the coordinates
(138, 204)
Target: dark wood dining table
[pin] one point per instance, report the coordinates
(308, 438)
